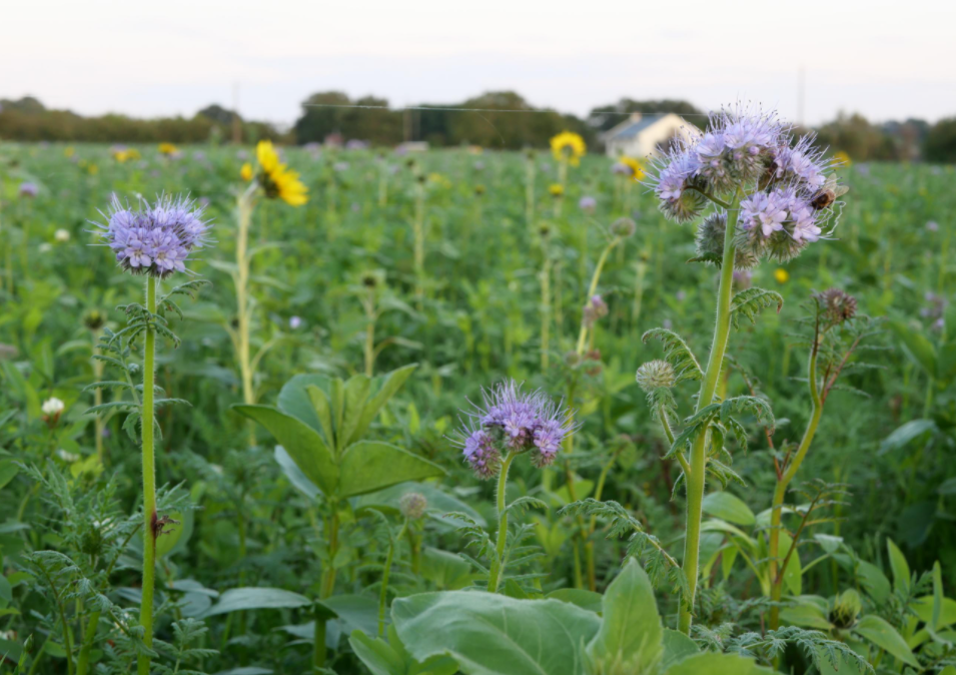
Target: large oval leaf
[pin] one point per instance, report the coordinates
(728, 507)
(302, 442)
(368, 466)
(717, 664)
(492, 634)
(631, 632)
(236, 599)
(884, 636)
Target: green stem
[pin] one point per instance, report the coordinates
(776, 516)
(592, 289)
(149, 481)
(383, 596)
(497, 563)
(545, 311)
(83, 664)
(698, 455)
(242, 304)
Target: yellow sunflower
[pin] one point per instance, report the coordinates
(842, 158)
(568, 145)
(556, 190)
(277, 179)
(246, 172)
(167, 149)
(781, 275)
(636, 168)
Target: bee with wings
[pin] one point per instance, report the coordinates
(828, 194)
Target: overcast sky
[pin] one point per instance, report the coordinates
(165, 57)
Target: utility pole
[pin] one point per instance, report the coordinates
(236, 121)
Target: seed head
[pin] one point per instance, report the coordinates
(655, 375)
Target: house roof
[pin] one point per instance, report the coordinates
(631, 128)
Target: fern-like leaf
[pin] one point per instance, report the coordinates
(748, 303)
(677, 353)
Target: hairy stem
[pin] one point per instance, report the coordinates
(698, 455)
(242, 305)
(149, 481)
(592, 289)
(383, 595)
(498, 563)
(790, 470)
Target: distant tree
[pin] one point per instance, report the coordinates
(508, 129)
(27, 104)
(940, 143)
(317, 122)
(218, 114)
(854, 135)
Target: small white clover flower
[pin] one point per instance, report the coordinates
(52, 407)
(61, 236)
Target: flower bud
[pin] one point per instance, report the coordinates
(413, 505)
(595, 309)
(94, 319)
(655, 375)
(836, 306)
(846, 608)
(623, 228)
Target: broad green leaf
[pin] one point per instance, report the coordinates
(353, 611)
(901, 570)
(323, 413)
(294, 400)
(948, 670)
(8, 471)
(589, 600)
(368, 466)
(386, 388)
(924, 610)
(873, 580)
(292, 471)
(631, 632)
(489, 634)
(303, 443)
(905, 434)
(448, 571)
(728, 507)
(337, 397)
(239, 599)
(356, 393)
(805, 616)
(677, 647)
(947, 487)
(828, 542)
(793, 574)
(376, 654)
(717, 664)
(884, 636)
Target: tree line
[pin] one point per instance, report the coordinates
(500, 120)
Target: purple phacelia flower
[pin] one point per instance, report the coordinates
(157, 239)
(29, 189)
(932, 226)
(595, 309)
(513, 421)
(295, 322)
(587, 204)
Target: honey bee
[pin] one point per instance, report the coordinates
(828, 194)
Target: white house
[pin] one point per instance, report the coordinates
(639, 136)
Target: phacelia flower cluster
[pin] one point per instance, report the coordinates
(513, 421)
(594, 310)
(788, 186)
(155, 239)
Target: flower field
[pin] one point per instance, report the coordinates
(352, 410)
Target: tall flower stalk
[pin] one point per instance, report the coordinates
(833, 308)
(274, 180)
(771, 197)
(154, 241)
(510, 423)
